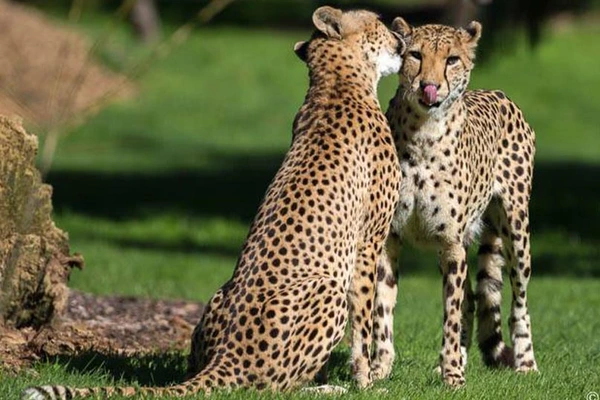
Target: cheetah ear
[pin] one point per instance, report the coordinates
(329, 21)
(401, 27)
(301, 50)
(401, 43)
(471, 33)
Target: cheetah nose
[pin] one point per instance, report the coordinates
(429, 92)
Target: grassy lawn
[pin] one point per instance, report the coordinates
(157, 193)
(566, 327)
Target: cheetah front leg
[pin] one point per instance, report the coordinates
(385, 302)
(468, 316)
(454, 269)
(468, 309)
(362, 295)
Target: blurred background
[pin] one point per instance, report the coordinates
(161, 123)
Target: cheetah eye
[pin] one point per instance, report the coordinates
(415, 54)
(452, 60)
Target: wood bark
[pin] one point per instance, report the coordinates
(35, 261)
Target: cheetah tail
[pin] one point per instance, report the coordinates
(200, 383)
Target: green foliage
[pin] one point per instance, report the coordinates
(158, 194)
(553, 86)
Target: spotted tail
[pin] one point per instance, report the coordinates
(494, 351)
(203, 382)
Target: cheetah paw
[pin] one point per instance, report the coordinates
(325, 389)
(380, 371)
(454, 380)
(527, 369)
(381, 391)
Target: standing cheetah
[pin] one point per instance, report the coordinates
(312, 250)
(467, 160)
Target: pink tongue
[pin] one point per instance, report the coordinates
(430, 94)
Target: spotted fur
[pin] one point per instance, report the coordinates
(309, 261)
(467, 162)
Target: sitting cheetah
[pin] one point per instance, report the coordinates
(311, 253)
(467, 160)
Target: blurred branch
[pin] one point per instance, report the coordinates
(120, 14)
(212, 9)
(18, 63)
(179, 36)
(54, 130)
(51, 139)
(204, 16)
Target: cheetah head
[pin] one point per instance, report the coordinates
(437, 63)
(358, 37)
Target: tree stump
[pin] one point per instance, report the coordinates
(35, 262)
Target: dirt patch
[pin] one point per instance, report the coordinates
(109, 325)
(46, 74)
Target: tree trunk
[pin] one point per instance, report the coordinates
(460, 12)
(145, 20)
(35, 263)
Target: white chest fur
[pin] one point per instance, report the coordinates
(432, 206)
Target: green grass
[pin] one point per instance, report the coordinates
(566, 328)
(158, 192)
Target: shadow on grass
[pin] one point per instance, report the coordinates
(565, 202)
(149, 370)
(183, 246)
(163, 369)
(233, 191)
(566, 197)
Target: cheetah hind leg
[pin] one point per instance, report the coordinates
(322, 387)
(322, 376)
(490, 259)
(519, 266)
(305, 320)
(197, 356)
